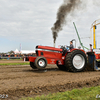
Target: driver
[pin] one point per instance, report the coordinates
(71, 45)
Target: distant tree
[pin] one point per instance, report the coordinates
(11, 52)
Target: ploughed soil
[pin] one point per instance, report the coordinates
(23, 81)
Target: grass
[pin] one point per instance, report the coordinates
(13, 63)
(5, 64)
(75, 94)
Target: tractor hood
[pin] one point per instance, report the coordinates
(48, 48)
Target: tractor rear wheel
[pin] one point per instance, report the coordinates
(32, 65)
(40, 62)
(76, 61)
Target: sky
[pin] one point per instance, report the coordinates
(29, 22)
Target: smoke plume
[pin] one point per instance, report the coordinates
(67, 7)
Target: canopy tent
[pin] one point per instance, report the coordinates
(24, 51)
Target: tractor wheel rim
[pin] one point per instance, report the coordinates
(78, 61)
(41, 63)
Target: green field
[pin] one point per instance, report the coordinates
(75, 94)
(5, 64)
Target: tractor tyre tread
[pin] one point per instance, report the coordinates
(33, 65)
(36, 62)
(69, 58)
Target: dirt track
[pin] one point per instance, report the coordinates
(21, 81)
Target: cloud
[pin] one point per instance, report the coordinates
(29, 22)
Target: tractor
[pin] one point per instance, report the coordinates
(73, 60)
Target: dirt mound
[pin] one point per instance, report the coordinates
(19, 81)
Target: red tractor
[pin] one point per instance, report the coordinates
(73, 60)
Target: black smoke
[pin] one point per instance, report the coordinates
(66, 8)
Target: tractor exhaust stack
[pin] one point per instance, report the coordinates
(54, 44)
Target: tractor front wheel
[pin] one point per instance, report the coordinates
(32, 65)
(76, 61)
(40, 62)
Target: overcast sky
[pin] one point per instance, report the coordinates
(29, 22)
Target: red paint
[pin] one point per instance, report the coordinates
(97, 56)
(51, 54)
(48, 48)
(32, 59)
